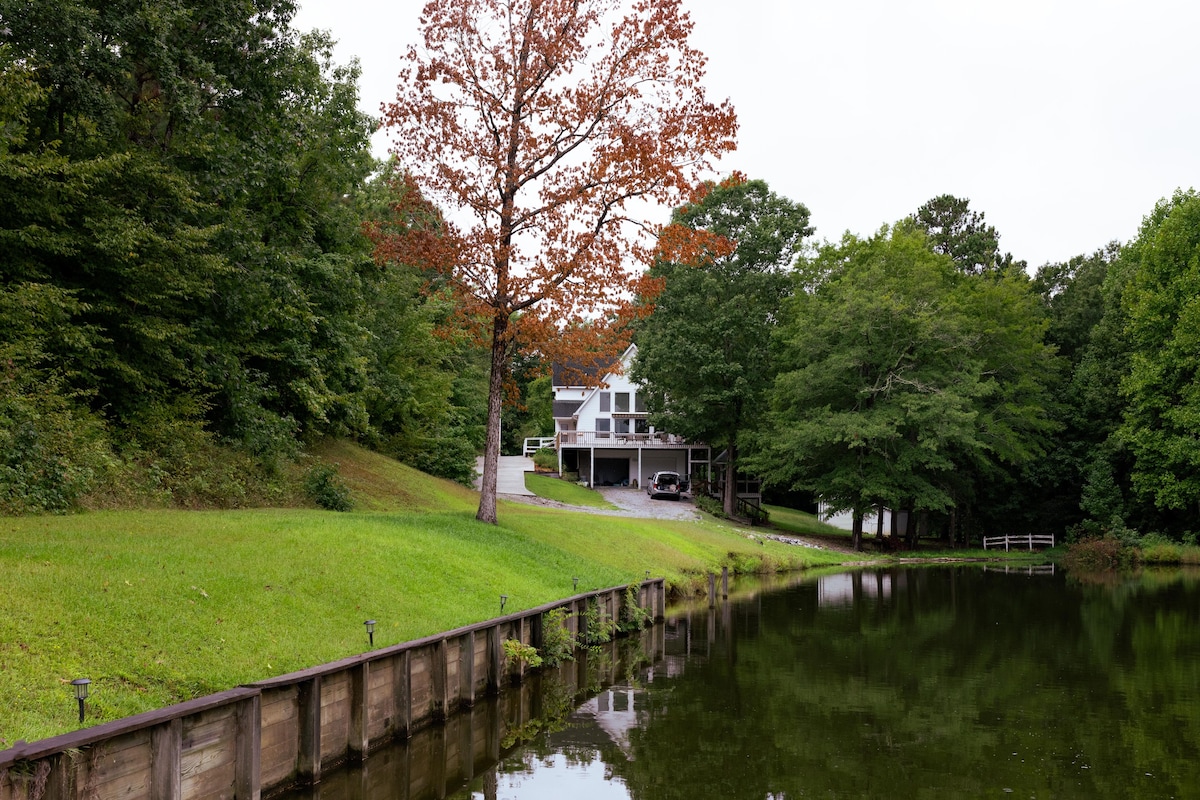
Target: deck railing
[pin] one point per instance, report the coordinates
(535, 443)
(606, 439)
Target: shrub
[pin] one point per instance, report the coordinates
(710, 505)
(1161, 553)
(558, 645)
(597, 629)
(632, 616)
(51, 451)
(324, 487)
(518, 652)
(546, 459)
(1105, 553)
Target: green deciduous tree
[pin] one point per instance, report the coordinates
(184, 177)
(904, 382)
(704, 356)
(1087, 407)
(1162, 301)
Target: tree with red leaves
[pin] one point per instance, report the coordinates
(543, 130)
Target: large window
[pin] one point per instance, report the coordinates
(639, 403)
(622, 403)
(602, 428)
(605, 402)
(622, 426)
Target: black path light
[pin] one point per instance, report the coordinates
(81, 692)
(575, 584)
(647, 574)
(503, 600)
(370, 631)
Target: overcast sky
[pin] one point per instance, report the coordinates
(1064, 121)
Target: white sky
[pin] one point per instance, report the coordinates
(1064, 121)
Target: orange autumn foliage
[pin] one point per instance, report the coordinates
(544, 130)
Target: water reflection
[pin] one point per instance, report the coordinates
(956, 681)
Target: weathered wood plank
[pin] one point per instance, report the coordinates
(308, 759)
(402, 695)
(166, 752)
(380, 703)
(438, 681)
(466, 670)
(279, 734)
(358, 738)
(279, 707)
(247, 769)
(208, 728)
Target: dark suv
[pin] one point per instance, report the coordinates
(664, 484)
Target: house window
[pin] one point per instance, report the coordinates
(602, 428)
(641, 426)
(605, 402)
(639, 403)
(622, 402)
(622, 426)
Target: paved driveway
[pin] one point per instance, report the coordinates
(510, 477)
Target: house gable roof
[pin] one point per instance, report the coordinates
(579, 374)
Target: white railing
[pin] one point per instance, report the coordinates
(535, 443)
(1028, 540)
(606, 439)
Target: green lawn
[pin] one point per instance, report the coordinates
(561, 491)
(802, 523)
(161, 606)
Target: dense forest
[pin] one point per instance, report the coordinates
(190, 300)
(188, 297)
(924, 370)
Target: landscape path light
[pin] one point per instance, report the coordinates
(575, 584)
(370, 631)
(503, 600)
(81, 692)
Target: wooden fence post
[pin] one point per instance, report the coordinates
(495, 659)
(438, 669)
(466, 670)
(166, 746)
(247, 771)
(308, 702)
(359, 744)
(402, 695)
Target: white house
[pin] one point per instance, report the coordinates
(602, 431)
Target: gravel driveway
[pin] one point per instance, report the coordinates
(636, 503)
(629, 502)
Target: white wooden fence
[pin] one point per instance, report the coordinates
(1025, 540)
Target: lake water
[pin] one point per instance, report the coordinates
(925, 682)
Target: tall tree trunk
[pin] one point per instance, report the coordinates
(917, 528)
(879, 522)
(491, 448)
(731, 481)
(856, 529)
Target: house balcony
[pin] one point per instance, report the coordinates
(659, 441)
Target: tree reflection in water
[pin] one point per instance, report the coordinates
(922, 682)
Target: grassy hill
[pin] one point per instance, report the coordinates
(158, 606)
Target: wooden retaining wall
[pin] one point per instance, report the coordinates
(238, 744)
